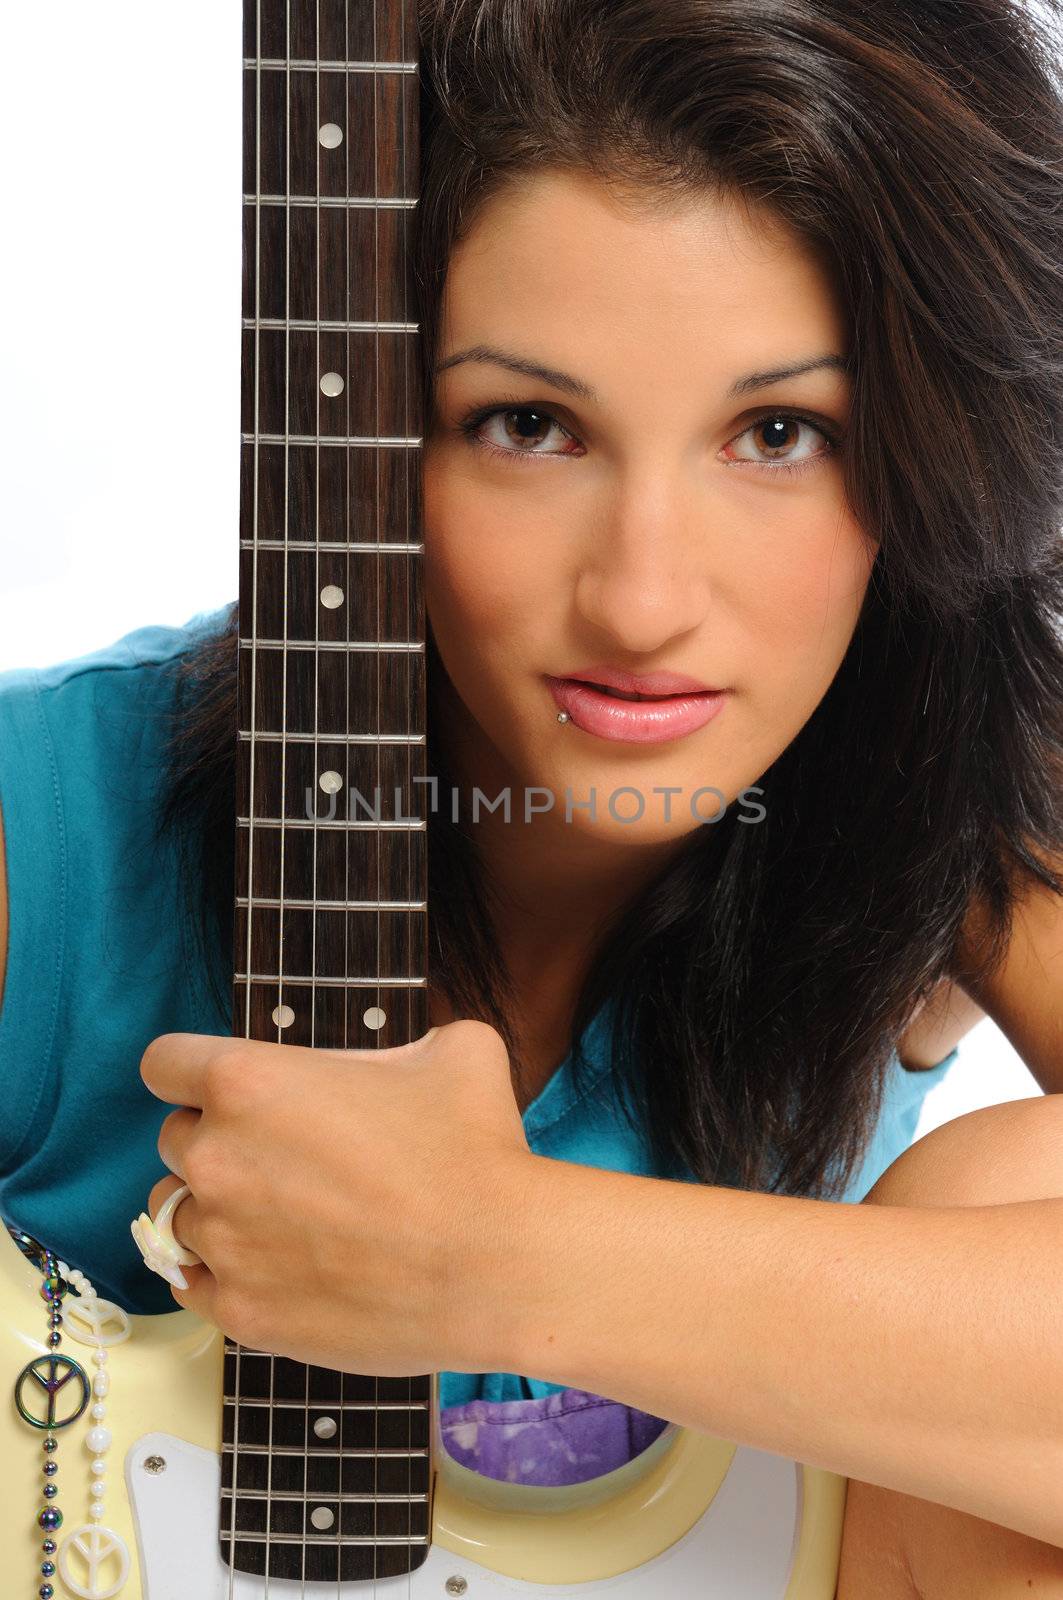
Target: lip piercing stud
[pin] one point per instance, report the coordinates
(562, 716)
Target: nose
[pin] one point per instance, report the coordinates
(643, 578)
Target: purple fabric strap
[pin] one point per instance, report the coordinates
(566, 1437)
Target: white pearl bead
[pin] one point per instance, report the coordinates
(98, 1440)
(101, 1383)
(96, 1511)
(100, 1358)
(99, 1466)
(99, 1410)
(98, 1488)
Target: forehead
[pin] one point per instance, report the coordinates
(566, 245)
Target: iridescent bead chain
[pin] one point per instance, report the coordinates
(95, 1545)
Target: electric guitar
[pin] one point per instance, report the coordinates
(247, 1474)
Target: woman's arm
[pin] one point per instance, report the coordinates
(916, 1347)
(919, 1348)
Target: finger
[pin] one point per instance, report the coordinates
(381, 1052)
(199, 1290)
(157, 1243)
(199, 1294)
(162, 1191)
(174, 1065)
(174, 1136)
(184, 1224)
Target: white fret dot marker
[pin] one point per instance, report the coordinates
(331, 782)
(374, 1017)
(325, 1427)
(332, 384)
(283, 1016)
(322, 1517)
(330, 134)
(332, 596)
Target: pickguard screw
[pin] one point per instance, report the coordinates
(455, 1586)
(154, 1463)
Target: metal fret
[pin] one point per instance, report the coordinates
(310, 438)
(411, 646)
(330, 1539)
(352, 1453)
(335, 738)
(360, 547)
(332, 66)
(327, 1405)
(365, 202)
(323, 822)
(324, 1497)
(273, 904)
(334, 983)
(332, 327)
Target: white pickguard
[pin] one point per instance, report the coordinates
(743, 1545)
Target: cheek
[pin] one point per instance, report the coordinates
(804, 607)
(488, 574)
(794, 605)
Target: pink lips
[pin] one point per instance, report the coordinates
(685, 707)
(641, 683)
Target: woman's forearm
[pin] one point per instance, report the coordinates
(917, 1348)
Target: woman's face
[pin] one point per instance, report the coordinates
(658, 502)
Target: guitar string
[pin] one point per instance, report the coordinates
(375, 82)
(349, 567)
(317, 763)
(279, 1015)
(347, 723)
(403, 229)
(251, 753)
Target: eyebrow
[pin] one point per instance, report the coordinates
(494, 356)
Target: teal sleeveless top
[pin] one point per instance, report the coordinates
(102, 959)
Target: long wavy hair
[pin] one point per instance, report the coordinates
(761, 982)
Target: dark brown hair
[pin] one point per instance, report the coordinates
(761, 981)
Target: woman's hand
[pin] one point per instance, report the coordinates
(353, 1209)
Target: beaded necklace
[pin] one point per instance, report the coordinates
(86, 1553)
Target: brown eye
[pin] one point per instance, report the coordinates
(530, 427)
(514, 431)
(777, 434)
(780, 440)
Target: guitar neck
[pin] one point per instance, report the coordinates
(326, 1474)
(331, 861)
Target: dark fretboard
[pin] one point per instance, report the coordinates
(326, 1475)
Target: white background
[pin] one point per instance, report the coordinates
(120, 350)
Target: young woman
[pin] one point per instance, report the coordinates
(744, 350)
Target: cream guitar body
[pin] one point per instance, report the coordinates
(692, 1518)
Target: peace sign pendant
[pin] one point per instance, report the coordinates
(94, 1549)
(96, 1321)
(53, 1387)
